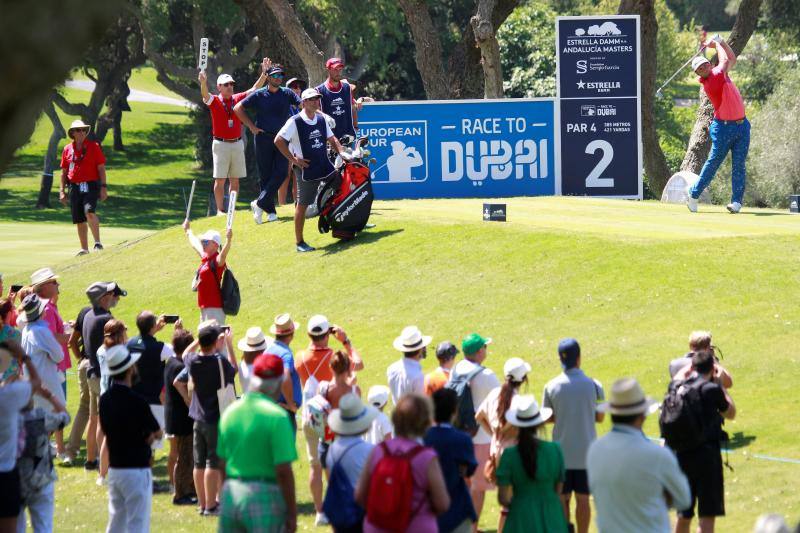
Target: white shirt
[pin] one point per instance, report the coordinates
(289, 132)
(380, 429)
(13, 397)
(245, 371)
(628, 475)
(405, 376)
(480, 386)
(45, 353)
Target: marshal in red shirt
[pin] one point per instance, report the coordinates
(81, 165)
(208, 288)
(222, 113)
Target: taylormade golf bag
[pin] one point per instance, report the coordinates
(344, 199)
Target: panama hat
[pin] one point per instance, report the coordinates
(41, 276)
(628, 398)
(253, 341)
(283, 325)
(516, 368)
(33, 307)
(77, 125)
(411, 339)
(352, 417)
(524, 412)
(119, 359)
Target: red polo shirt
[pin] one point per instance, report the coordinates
(221, 113)
(208, 290)
(81, 165)
(724, 95)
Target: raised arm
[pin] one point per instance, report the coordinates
(223, 255)
(266, 63)
(194, 242)
(726, 55)
(202, 79)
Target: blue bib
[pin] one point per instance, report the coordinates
(313, 143)
(339, 105)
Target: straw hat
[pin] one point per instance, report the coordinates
(525, 412)
(411, 339)
(78, 125)
(119, 359)
(253, 341)
(352, 417)
(628, 398)
(41, 276)
(283, 325)
(32, 307)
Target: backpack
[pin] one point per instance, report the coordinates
(681, 419)
(339, 505)
(391, 489)
(465, 412)
(316, 413)
(229, 288)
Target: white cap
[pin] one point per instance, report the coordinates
(516, 368)
(318, 324)
(224, 78)
(211, 235)
(309, 93)
(378, 395)
(699, 60)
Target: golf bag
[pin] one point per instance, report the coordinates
(344, 199)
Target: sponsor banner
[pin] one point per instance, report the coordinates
(461, 149)
(599, 103)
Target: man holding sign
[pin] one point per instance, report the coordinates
(227, 148)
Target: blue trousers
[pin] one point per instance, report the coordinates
(272, 170)
(726, 137)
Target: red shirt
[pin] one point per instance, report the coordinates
(81, 165)
(724, 95)
(208, 291)
(221, 113)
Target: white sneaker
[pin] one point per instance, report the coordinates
(734, 207)
(257, 212)
(101, 481)
(691, 203)
(321, 520)
(221, 213)
(272, 217)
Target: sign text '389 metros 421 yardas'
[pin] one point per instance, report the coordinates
(458, 149)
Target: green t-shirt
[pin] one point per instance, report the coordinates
(255, 435)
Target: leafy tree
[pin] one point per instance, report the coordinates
(527, 42)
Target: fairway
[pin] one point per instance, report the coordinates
(630, 280)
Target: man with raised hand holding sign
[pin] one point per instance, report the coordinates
(730, 129)
(227, 148)
(302, 140)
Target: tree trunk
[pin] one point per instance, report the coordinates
(42, 42)
(655, 164)
(486, 40)
(273, 44)
(50, 156)
(297, 36)
(700, 142)
(428, 49)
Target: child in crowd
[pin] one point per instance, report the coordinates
(381, 428)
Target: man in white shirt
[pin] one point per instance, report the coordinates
(43, 348)
(634, 481)
(484, 380)
(406, 374)
(303, 141)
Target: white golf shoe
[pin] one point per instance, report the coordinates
(272, 217)
(734, 207)
(257, 212)
(691, 203)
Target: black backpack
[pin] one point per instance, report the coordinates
(229, 288)
(681, 421)
(465, 413)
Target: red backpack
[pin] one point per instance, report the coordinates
(391, 489)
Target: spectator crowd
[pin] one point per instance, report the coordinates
(425, 463)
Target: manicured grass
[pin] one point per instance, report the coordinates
(630, 280)
(142, 79)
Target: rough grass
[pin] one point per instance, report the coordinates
(629, 279)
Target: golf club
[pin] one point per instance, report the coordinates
(659, 94)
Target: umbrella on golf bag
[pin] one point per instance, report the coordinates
(344, 201)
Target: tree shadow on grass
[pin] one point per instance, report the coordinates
(363, 238)
(739, 440)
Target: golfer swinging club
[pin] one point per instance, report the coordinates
(730, 129)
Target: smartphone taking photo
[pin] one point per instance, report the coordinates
(171, 319)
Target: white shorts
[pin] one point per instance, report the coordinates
(228, 159)
(213, 313)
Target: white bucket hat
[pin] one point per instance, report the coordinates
(254, 340)
(119, 359)
(411, 339)
(211, 235)
(77, 125)
(352, 417)
(516, 368)
(628, 398)
(43, 275)
(283, 325)
(524, 412)
(378, 395)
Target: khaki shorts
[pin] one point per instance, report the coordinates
(94, 395)
(312, 444)
(212, 313)
(228, 159)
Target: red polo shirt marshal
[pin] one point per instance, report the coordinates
(224, 122)
(81, 165)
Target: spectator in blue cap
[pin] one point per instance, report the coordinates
(573, 396)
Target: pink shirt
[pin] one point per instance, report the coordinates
(56, 325)
(424, 520)
(724, 95)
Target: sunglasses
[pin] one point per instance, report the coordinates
(277, 75)
(229, 84)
